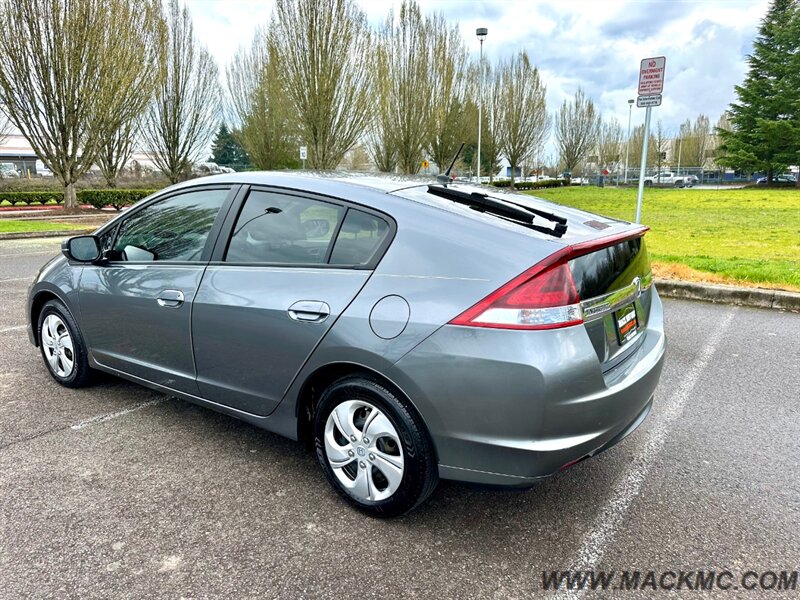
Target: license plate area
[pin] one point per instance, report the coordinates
(627, 324)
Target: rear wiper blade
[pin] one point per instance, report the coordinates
(542, 213)
(517, 213)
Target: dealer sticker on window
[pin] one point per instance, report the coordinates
(627, 323)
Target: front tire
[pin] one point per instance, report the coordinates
(373, 449)
(61, 344)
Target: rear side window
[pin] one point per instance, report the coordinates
(359, 238)
(283, 229)
(175, 229)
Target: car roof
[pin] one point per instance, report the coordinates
(332, 181)
(403, 191)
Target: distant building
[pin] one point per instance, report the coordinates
(15, 149)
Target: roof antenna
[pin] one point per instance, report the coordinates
(444, 178)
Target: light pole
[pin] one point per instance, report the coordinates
(628, 143)
(481, 33)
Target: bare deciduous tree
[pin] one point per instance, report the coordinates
(524, 122)
(5, 126)
(324, 48)
(381, 144)
(693, 141)
(662, 141)
(637, 140)
(183, 115)
(491, 144)
(576, 129)
(403, 72)
(115, 151)
(258, 104)
(609, 144)
(70, 69)
(450, 81)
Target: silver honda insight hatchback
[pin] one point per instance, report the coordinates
(407, 330)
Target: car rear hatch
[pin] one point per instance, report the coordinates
(598, 275)
(614, 284)
(610, 267)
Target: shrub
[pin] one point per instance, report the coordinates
(529, 185)
(116, 198)
(46, 197)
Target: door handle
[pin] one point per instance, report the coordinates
(309, 311)
(170, 298)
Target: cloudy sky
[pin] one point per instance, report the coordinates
(593, 44)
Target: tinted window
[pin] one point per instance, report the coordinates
(360, 237)
(278, 228)
(174, 229)
(609, 269)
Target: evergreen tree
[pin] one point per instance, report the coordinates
(226, 149)
(765, 134)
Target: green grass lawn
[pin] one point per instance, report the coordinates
(14, 226)
(749, 235)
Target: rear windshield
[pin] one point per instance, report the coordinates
(610, 269)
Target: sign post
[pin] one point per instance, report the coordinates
(304, 155)
(651, 84)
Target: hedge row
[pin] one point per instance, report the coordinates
(117, 198)
(530, 185)
(50, 197)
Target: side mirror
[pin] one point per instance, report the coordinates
(83, 248)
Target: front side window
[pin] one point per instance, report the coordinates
(175, 229)
(283, 229)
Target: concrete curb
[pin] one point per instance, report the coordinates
(44, 234)
(724, 294)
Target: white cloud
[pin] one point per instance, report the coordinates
(593, 44)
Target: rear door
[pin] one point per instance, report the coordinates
(285, 267)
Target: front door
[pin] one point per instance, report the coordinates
(136, 307)
(292, 265)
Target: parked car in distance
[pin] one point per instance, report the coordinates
(407, 330)
(8, 171)
(670, 178)
(42, 170)
(206, 168)
(786, 179)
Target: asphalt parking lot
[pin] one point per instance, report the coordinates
(119, 492)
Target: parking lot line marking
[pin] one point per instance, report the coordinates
(114, 415)
(15, 328)
(16, 279)
(611, 516)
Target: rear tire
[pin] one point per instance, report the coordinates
(62, 347)
(373, 449)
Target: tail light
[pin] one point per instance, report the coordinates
(540, 298)
(543, 297)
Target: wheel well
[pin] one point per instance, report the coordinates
(38, 303)
(319, 381)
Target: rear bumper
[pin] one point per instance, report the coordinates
(510, 407)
